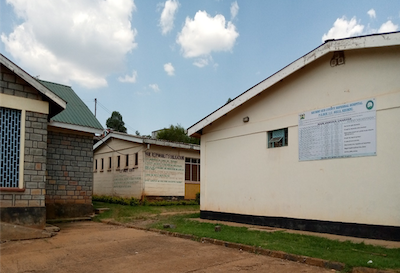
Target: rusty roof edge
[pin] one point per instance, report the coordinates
(360, 42)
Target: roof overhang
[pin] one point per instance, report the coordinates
(60, 103)
(142, 140)
(75, 127)
(362, 42)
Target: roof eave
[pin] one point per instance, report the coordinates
(141, 140)
(370, 41)
(75, 127)
(34, 83)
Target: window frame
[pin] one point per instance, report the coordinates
(109, 163)
(20, 183)
(192, 164)
(126, 161)
(278, 138)
(118, 162)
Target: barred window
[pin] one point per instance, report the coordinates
(192, 169)
(10, 130)
(278, 138)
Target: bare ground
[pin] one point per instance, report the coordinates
(97, 247)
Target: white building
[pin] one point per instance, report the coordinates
(133, 166)
(314, 146)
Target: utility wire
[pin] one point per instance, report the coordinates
(110, 112)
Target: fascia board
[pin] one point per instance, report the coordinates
(172, 144)
(75, 127)
(371, 41)
(117, 136)
(28, 78)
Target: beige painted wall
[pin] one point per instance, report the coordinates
(125, 181)
(241, 175)
(160, 170)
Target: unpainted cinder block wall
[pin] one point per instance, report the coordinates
(69, 184)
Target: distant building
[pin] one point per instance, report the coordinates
(133, 166)
(46, 149)
(313, 147)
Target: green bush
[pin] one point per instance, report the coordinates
(197, 198)
(144, 202)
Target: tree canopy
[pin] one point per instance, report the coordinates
(178, 134)
(115, 122)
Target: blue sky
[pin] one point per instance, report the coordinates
(174, 62)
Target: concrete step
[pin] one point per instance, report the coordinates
(11, 232)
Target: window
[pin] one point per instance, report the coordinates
(127, 161)
(95, 165)
(102, 164)
(10, 129)
(118, 162)
(192, 169)
(278, 138)
(109, 163)
(136, 159)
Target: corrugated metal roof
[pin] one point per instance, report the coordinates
(76, 113)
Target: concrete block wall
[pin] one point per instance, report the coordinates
(69, 184)
(11, 84)
(26, 205)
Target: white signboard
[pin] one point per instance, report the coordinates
(341, 131)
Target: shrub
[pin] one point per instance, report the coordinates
(144, 202)
(197, 198)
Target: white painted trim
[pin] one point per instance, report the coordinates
(21, 183)
(75, 127)
(29, 79)
(362, 42)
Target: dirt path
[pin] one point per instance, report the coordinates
(96, 247)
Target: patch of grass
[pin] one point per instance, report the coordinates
(122, 213)
(351, 254)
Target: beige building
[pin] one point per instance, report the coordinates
(314, 146)
(132, 166)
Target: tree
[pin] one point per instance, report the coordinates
(115, 122)
(178, 134)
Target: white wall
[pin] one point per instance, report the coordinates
(157, 174)
(241, 175)
(125, 182)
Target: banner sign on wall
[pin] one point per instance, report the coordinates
(341, 131)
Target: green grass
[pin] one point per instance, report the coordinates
(351, 254)
(122, 213)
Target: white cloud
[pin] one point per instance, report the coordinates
(388, 27)
(168, 16)
(342, 28)
(205, 34)
(202, 62)
(155, 87)
(169, 69)
(372, 13)
(234, 10)
(127, 78)
(72, 41)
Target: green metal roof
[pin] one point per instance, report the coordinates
(76, 113)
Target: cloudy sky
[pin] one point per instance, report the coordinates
(174, 62)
